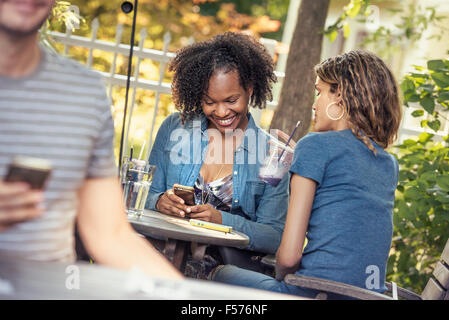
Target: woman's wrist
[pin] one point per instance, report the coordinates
(157, 201)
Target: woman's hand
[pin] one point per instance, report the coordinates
(171, 204)
(207, 213)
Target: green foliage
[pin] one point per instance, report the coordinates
(353, 9)
(414, 20)
(430, 88)
(183, 19)
(421, 213)
(275, 9)
(63, 15)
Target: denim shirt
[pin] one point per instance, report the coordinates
(258, 209)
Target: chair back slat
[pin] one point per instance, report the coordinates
(433, 291)
(437, 289)
(445, 254)
(269, 261)
(441, 274)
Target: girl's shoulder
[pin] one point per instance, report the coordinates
(328, 137)
(321, 139)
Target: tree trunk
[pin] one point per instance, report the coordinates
(297, 93)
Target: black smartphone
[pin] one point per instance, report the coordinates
(186, 193)
(33, 171)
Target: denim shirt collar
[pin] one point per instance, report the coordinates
(203, 121)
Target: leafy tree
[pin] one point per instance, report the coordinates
(352, 10)
(414, 21)
(421, 213)
(183, 19)
(268, 15)
(61, 15)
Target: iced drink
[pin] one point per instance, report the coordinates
(137, 186)
(274, 168)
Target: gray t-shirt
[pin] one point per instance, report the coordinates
(60, 113)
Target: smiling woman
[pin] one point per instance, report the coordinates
(214, 83)
(195, 65)
(226, 102)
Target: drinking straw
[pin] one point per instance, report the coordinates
(291, 136)
(141, 150)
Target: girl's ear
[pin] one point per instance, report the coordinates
(338, 95)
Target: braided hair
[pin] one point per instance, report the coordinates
(369, 95)
(194, 65)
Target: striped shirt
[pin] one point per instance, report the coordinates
(60, 113)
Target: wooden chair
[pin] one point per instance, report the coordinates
(436, 288)
(268, 263)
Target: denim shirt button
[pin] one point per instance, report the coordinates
(236, 201)
(235, 173)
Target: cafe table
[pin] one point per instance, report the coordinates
(176, 235)
(26, 280)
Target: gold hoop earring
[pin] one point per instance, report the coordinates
(329, 116)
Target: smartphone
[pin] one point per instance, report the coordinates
(33, 171)
(186, 193)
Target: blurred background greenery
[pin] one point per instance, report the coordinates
(185, 20)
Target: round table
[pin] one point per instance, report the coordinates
(178, 233)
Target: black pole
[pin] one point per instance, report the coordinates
(127, 7)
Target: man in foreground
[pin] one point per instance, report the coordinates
(55, 109)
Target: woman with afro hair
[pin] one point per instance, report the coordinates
(214, 145)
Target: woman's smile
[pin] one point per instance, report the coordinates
(225, 122)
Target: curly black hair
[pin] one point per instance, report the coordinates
(194, 65)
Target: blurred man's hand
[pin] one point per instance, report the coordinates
(18, 203)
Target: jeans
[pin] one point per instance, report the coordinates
(233, 275)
